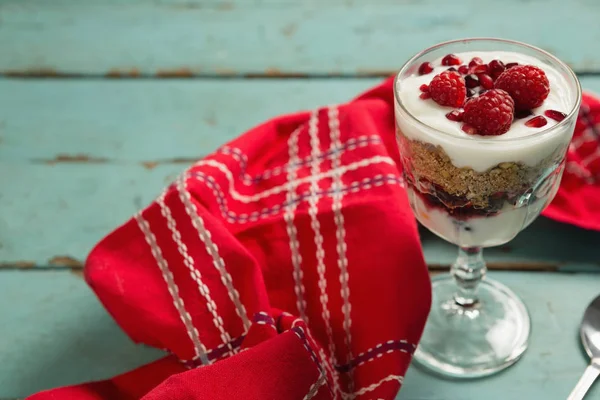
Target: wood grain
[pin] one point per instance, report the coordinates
(184, 38)
(554, 361)
(77, 158)
(56, 333)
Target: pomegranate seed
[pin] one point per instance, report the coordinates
(479, 69)
(471, 81)
(520, 114)
(536, 122)
(555, 115)
(451, 59)
(455, 115)
(510, 65)
(470, 93)
(463, 69)
(486, 81)
(469, 129)
(424, 88)
(425, 68)
(496, 68)
(452, 69)
(475, 61)
(425, 96)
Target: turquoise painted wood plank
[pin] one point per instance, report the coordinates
(146, 120)
(54, 214)
(56, 333)
(59, 199)
(554, 361)
(196, 37)
(54, 121)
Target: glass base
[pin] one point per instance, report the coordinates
(476, 341)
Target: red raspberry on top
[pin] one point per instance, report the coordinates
(491, 113)
(526, 84)
(448, 89)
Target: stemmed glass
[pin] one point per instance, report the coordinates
(478, 326)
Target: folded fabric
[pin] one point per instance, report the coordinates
(286, 265)
(578, 199)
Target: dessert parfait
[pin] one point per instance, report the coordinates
(482, 140)
(483, 126)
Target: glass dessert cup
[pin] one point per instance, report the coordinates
(476, 192)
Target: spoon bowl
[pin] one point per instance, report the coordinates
(590, 338)
(590, 329)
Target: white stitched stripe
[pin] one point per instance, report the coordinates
(291, 229)
(213, 250)
(370, 388)
(188, 261)
(340, 234)
(232, 217)
(192, 332)
(314, 388)
(295, 183)
(318, 237)
(326, 365)
(351, 144)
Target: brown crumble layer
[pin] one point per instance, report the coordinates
(431, 163)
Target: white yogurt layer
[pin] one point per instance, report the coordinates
(484, 152)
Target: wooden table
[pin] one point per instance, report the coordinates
(103, 102)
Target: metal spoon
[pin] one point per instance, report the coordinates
(590, 337)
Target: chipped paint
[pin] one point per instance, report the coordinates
(273, 72)
(225, 72)
(72, 158)
(289, 30)
(65, 261)
(176, 160)
(211, 120)
(225, 6)
(118, 73)
(20, 264)
(149, 164)
(182, 72)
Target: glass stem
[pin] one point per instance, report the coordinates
(468, 270)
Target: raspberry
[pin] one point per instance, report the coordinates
(448, 89)
(491, 113)
(526, 84)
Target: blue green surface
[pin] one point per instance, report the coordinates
(72, 167)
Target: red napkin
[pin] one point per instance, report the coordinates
(287, 265)
(578, 199)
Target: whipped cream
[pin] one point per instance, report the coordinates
(484, 152)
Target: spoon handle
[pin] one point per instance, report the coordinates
(586, 380)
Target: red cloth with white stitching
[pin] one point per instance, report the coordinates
(313, 289)
(225, 267)
(578, 199)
